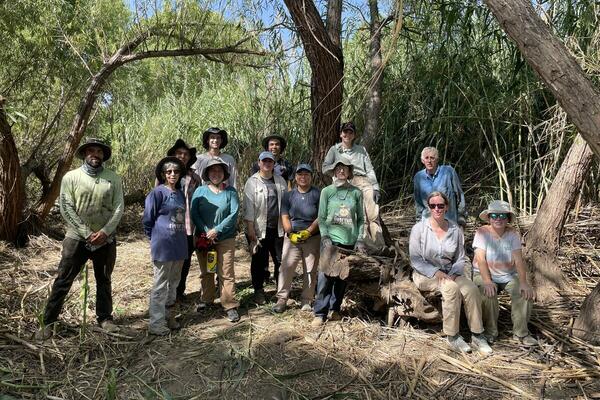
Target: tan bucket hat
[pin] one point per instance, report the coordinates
(497, 207)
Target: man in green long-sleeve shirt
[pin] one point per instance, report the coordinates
(91, 202)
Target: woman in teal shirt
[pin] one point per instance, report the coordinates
(214, 212)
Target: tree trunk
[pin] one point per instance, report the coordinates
(543, 239)
(373, 106)
(557, 68)
(327, 66)
(12, 196)
(587, 324)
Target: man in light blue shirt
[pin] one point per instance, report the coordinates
(442, 178)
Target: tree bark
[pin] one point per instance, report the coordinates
(12, 195)
(557, 68)
(373, 106)
(124, 55)
(543, 239)
(327, 66)
(587, 324)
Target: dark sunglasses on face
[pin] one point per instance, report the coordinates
(172, 171)
(439, 206)
(498, 216)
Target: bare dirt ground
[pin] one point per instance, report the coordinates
(267, 355)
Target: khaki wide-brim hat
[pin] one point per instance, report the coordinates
(498, 207)
(344, 161)
(212, 162)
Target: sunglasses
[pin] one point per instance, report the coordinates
(498, 216)
(172, 172)
(439, 206)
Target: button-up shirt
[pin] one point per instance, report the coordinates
(429, 254)
(444, 180)
(359, 157)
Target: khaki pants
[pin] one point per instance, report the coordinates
(520, 309)
(308, 253)
(454, 293)
(373, 232)
(162, 295)
(225, 252)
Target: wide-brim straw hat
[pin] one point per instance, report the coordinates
(158, 171)
(212, 162)
(497, 207)
(180, 144)
(89, 142)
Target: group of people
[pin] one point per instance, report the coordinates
(194, 208)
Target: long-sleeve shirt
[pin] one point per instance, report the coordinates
(341, 215)
(204, 158)
(361, 161)
(164, 224)
(444, 180)
(91, 203)
(428, 254)
(217, 211)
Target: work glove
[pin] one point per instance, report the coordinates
(376, 196)
(304, 234)
(360, 247)
(295, 238)
(326, 242)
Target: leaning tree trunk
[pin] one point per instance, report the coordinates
(557, 68)
(12, 196)
(543, 239)
(327, 65)
(373, 106)
(587, 324)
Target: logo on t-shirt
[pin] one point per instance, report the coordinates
(342, 216)
(177, 218)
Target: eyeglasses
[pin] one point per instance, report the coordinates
(172, 172)
(439, 206)
(498, 216)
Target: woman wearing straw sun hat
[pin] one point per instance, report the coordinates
(498, 265)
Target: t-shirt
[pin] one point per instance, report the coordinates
(302, 208)
(272, 203)
(164, 224)
(341, 215)
(215, 210)
(498, 252)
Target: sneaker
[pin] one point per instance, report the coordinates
(281, 306)
(172, 323)
(458, 343)
(526, 340)
(259, 298)
(317, 321)
(479, 342)
(201, 306)
(306, 307)
(109, 326)
(159, 331)
(45, 332)
(335, 316)
(232, 315)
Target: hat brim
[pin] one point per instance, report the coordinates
(221, 133)
(180, 144)
(484, 215)
(265, 142)
(225, 168)
(158, 171)
(106, 150)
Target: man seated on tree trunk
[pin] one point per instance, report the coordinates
(91, 202)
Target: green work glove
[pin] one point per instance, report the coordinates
(304, 234)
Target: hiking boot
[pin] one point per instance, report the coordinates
(306, 307)
(45, 332)
(201, 306)
(232, 315)
(491, 339)
(526, 340)
(172, 323)
(458, 343)
(335, 316)
(259, 298)
(317, 321)
(181, 298)
(109, 326)
(281, 306)
(480, 343)
(159, 331)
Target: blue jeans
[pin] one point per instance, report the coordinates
(330, 293)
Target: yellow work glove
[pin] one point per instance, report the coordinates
(304, 234)
(295, 238)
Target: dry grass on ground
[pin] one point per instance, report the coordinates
(270, 356)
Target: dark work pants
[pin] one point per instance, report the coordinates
(330, 293)
(185, 269)
(74, 257)
(272, 245)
